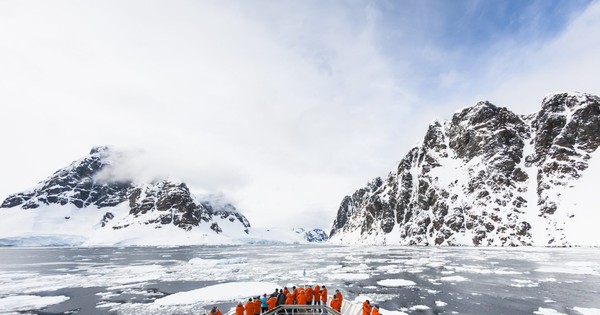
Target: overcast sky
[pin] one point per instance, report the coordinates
(284, 107)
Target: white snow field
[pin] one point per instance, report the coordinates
(192, 279)
(56, 225)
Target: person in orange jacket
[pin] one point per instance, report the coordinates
(375, 310)
(289, 299)
(338, 294)
(317, 294)
(336, 303)
(366, 309)
(271, 302)
(239, 309)
(215, 311)
(301, 297)
(256, 306)
(309, 295)
(286, 291)
(294, 294)
(324, 295)
(249, 307)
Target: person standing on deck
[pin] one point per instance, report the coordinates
(264, 307)
(324, 298)
(317, 295)
(280, 298)
(375, 310)
(289, 299)
(215, 311)
(271, 302)
(301, 297)
(249, 307)
(286, 291)
(339, 296)
(366, 309)
(336, 303)
(256, 306)
(239, 309)
(295, 294)
(309, 295)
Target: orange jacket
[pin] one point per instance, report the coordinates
(339, 296)
(375, 311)
(239, 310)
(289, 299)
(256, 307)
(301, 298)
(309, 294)
(317, 292)
(271, 302)
(249, 308)
(366, 310)
(295, 294)
(286, 291)
(324, 296)
(336, 304)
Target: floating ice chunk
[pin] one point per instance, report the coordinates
(587, 311)
(520, 283)
(440, 303)
(395, 283)
(29, 302)
(220, 292)
(453, 279)
(547, 311)
(419, 308)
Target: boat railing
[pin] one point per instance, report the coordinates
(302, 310)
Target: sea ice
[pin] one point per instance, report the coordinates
(453, 279)
(219, 292)
(420, 308)
(28, 302)
(547, 311)
(587, 311)
(395, 283)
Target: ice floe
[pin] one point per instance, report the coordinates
(219, 292)
(395, 283)
(453, 279)
(18, 303)
(547, 311)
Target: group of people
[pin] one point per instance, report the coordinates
(368, 309)
(316, 295)
(296, 296)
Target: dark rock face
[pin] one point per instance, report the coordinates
(472, 180)
(158, 203)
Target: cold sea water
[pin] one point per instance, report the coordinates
(411, 280)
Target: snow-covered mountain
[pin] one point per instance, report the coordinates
(489, 177)
(84, 204)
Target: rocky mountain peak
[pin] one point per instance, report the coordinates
(104, 150)
(83, 184)
(486, 177)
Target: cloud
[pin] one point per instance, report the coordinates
(284, 107)
(568, 62)
(213, 93)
